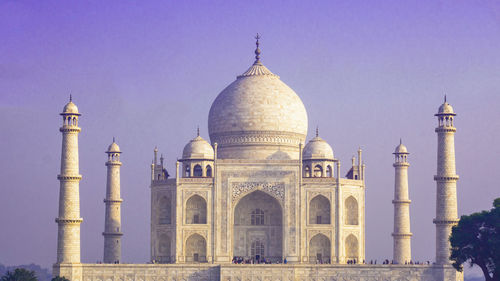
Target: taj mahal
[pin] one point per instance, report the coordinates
(258, 201)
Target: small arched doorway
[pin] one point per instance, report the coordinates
(319, 249)
(351, 247)
(258, 226)
(196, 249)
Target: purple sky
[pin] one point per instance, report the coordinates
(147, 73)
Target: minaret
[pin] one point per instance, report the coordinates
(68, 221)
(401, 234)
(446, 182)
(112, 224)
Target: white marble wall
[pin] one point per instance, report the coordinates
(206, 272)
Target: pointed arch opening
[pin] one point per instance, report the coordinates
(196, 249)
(351, 247)
(197, 171)
(196, 210)
(318, 171)
(165, 249)
(351, 211)
(319, 249)
(329, 171)
(258, 227)
(165, 211)
(209, 171)
(319, 210)
(307, 173)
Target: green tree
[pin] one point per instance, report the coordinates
(59, 278)
(476, 240)
(19, 274)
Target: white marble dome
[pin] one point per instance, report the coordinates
(257, 117)
(114, 147)
(198, 148)
(317, 148)
(401, 149)
(446, 108)
(70, 108)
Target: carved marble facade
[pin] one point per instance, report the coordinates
(256, 209)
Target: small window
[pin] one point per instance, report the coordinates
(196, 257)
(257, 217)
(318, 219)
(196, 219)
(209, 171)
(197, 171)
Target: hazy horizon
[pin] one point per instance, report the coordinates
(368, 74)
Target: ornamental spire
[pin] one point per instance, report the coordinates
(70, 98)
(317, 131)
(198, 131)
(257, 50)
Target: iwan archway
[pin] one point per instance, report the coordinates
(258, 228)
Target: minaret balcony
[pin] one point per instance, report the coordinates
(446, 178)
(112, 233)
(407, 201)
(113, 200)
(69, 221)
(409, 234)
(70, 129)
(446, 129)
(69, 177)
(445, 221)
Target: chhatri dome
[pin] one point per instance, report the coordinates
(113, 147)
(445, 108)
(257, 117)
(198, 148)
(70, 107)
(317, 148)
(401, 148)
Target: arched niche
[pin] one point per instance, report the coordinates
(196, 210)
(165, 249)
(319, 210)
(196, 249)
(351, 247)
(319, 249)
(165, 211)
(351, 211)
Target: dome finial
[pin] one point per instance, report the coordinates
(400, 141)
(113, 139)
(70, 98)
(444, 98)
(317, 131)
(257, 50)
(198, 131)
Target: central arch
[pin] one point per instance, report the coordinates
(258, 228)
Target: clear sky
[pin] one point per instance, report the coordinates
(147, 72)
